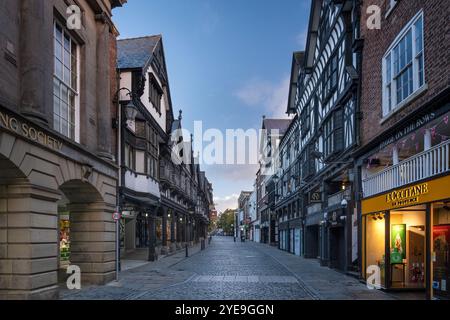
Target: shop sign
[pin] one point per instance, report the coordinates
(315, 197)
(27, 131)
(407, 196)
(408, 129)
(432, 190)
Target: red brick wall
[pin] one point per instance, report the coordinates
(376, 42)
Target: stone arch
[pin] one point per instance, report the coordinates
(33, 180)
(28, 236)
(92, 231)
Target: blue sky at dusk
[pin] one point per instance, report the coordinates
(228, 61)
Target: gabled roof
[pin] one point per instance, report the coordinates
(136, 52)
(297, 62)
(277, 124)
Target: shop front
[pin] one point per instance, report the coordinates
(406, 234)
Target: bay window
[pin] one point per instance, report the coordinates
(403, 66)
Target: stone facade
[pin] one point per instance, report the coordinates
(40, 168)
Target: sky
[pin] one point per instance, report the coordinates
(229, 64)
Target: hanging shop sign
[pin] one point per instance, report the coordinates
(30, 132)
(315, 197)
(429, 191)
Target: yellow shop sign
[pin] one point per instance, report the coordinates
(432, 190)
(407, 196)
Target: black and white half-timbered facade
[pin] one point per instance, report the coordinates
(288, 200)
(326, 105)
(160, 192)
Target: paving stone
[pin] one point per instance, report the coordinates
(231, 271)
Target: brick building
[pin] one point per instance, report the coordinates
(403, 160)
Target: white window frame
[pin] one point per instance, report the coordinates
(70, 87)
(393, 107)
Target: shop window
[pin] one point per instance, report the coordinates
(64, 239)
(441, 250)
(142, 227)
(407, 247)
(375, 226)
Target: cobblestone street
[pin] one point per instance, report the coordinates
(231, 271)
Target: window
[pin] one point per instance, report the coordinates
(65, 82)
(153, 152)
(403, 66)
(155, 93)
(328, 138)
(333, 134)
(305, 121)
(325, 24)
(140, 129)
(129, 157)
(330, 77)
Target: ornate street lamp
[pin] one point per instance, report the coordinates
(191, 212)
(130, 112)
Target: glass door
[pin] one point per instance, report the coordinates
(407, 247)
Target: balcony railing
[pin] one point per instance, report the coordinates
(426, 164)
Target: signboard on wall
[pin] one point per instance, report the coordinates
(398, 243)
(315, 197)
(432, 190)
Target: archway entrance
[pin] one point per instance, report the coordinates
(86, 233)
(27, 236)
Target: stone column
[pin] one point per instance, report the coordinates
(179, 230)
(28, 242)
(165, 247)
(184, 230)
(173, 237)
(33, 44)
(152, 255)
(191, 232)
(93, 241)
(104, 101)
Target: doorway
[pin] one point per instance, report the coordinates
(407, 247)
(312, 241)
(337, 248)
